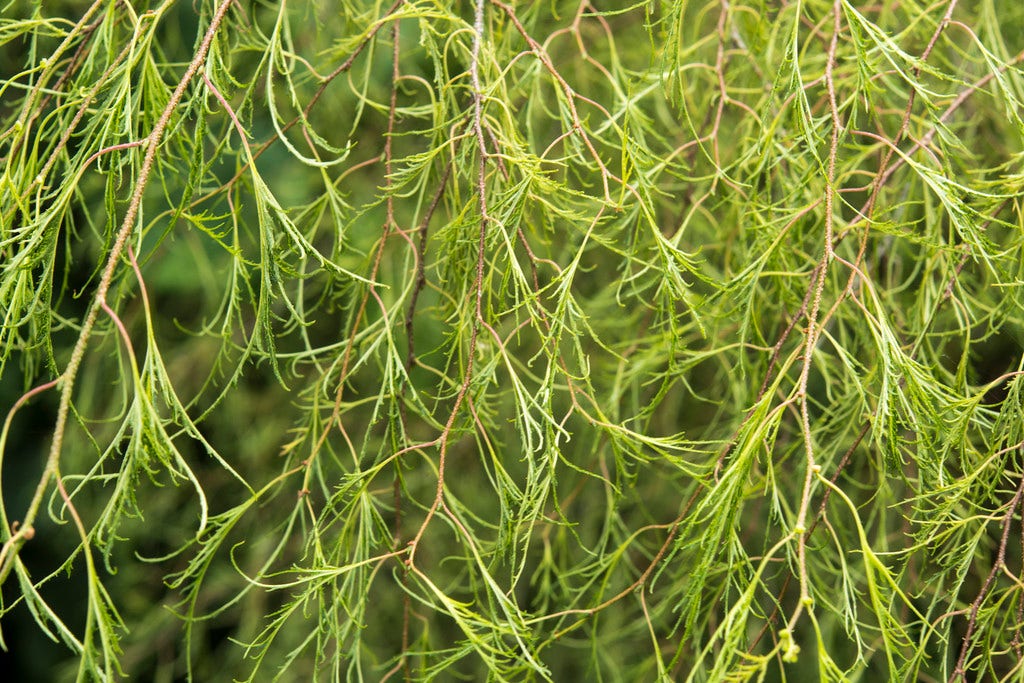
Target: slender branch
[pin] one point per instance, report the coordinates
(812, 333)
(478, 282)
(1013, 508)
(67, 378)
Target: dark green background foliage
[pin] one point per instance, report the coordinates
(532, 341)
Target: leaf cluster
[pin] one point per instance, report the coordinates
(548, 341)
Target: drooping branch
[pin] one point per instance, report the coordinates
(128, 224)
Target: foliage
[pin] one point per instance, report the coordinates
(504, 341)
